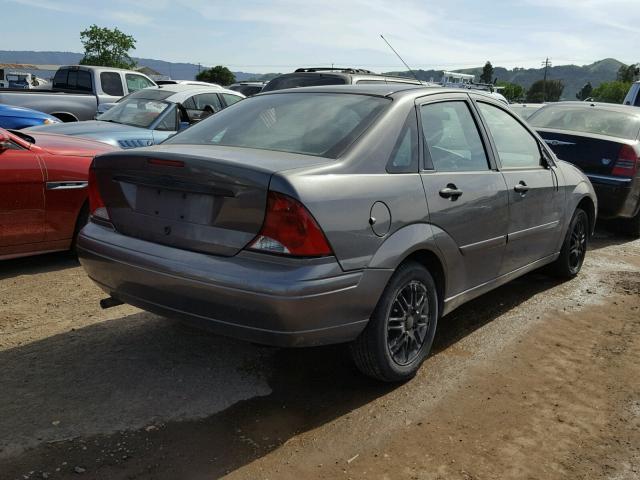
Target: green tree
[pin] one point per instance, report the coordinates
(218, 74)
(487, 73)
(512, 91)
(549, 91)
(611, 92)
(585, 92)
(107, 48)
(628, 73)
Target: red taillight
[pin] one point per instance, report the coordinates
(289, 229)
(96, 205)
(627, 163)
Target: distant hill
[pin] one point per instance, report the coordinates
(573, 76)
(179, 71)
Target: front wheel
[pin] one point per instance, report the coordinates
(400, 332)
(574, 248)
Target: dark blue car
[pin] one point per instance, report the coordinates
(17, 117)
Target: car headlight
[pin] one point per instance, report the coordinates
(49, 121)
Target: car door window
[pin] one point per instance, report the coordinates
(111, 84)
(453, 142)
(208, 103)
(230, 99)
(516, 147)
(137, 82)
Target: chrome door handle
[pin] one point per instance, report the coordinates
(450, 191)
(521, 188)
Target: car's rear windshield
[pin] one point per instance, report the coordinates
(321, 124)
(588, 120)
(295, 80)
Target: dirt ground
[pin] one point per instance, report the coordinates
(536, 380)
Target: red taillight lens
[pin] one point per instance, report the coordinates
(96, 205)
(289, 229)
(627, 163)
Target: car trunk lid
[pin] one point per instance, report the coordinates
(594, 154)
(207, 199)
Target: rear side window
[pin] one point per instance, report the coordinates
(517, 148)
(452, 139)
(137, 82)
(404, 158)
(296, 80)
(320, 124)
(231, 99)
(111, 84)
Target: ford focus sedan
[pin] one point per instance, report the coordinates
(359, 214)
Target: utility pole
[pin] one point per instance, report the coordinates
(546, 64)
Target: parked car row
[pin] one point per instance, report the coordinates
(333, 207)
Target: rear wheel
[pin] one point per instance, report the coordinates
(574, 247)
(400, 333)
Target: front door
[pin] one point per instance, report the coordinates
(467, 198)
(534, 199)
(21, 198)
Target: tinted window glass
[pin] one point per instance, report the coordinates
(111, 84)
(294, 80)
(84, 81)
(517, 148)
(588, 120)
(208, 99)
(201, 106)
(137, 82)
(309, 123)
(231, 99)
(60, 78)
(452, 137)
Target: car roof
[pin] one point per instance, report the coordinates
(600, 106)
(382, 90)
(181, 91)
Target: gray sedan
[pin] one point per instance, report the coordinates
(150, 116)
(320, 215)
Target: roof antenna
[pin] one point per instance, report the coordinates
(398, 55)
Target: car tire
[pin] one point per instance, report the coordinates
(574, 247)
(83, 218)
(401, 329)
(631, 226)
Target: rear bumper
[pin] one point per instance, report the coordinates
(250, 296)
(616, 197)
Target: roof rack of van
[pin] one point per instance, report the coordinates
(332, 69)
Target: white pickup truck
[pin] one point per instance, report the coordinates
(633, 97)
(77, 91)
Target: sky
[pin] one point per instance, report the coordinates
(280, 35)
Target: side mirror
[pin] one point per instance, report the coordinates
(5, 142)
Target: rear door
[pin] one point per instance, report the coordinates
(535, 204)
(22, 211)
(466, 195)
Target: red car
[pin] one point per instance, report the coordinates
(43, 191)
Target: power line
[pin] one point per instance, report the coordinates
(546, 64)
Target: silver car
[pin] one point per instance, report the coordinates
(150, 116)
(320, 215)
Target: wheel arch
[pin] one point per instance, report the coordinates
(65, 117)
(587, 204)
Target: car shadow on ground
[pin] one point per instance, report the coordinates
(607, 235)
(49, 262)
(66, 391)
